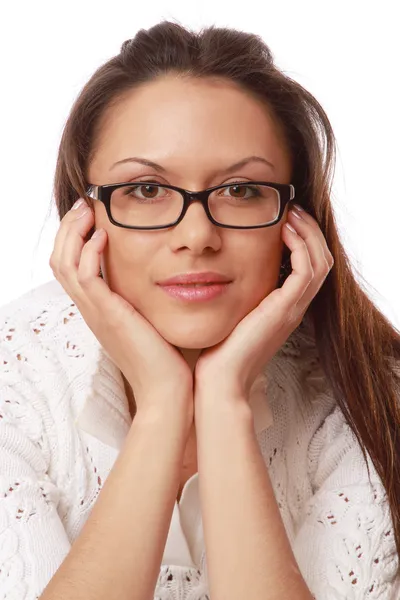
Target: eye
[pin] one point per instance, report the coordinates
(252, 190)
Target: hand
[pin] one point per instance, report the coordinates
(151, 365)
(232, 366)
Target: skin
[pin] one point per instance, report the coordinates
(193, 128)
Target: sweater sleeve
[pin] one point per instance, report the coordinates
(344, 544)
(33, 541)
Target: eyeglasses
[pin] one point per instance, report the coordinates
(164, 206)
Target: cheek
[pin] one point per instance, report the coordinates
(100, 216)
(128, 261)
(257, 283)
(260, 262)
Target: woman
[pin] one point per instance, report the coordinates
(231, 439)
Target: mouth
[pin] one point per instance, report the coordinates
(194, 284)
(196, 292)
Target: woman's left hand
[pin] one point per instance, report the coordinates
(232, 366)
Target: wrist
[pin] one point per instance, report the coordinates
(222, 407)
(160, 407)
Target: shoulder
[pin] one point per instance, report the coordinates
(43, 324)
(47, 355)
(28, 326)
(33, 310)
(334, 454)
(344, 541)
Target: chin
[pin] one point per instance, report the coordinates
(193, 337)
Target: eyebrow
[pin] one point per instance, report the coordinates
(157, 167)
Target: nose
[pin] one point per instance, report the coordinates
(195, 231)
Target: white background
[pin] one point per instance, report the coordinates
(346, 53)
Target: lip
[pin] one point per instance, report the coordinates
(190, 293)
(188, 278)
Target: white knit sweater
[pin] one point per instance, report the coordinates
(63, 419)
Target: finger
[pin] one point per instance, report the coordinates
(80, 266)
(290, 295)
(87, 273)
(76, 262)
(311, 222)
(73, 228)
(319, 265)
(312, 236)
(67, 221)
(82, 260)
(74, 250)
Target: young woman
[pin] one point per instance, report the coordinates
(232, 433)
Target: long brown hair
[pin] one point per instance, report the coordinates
(358, 347)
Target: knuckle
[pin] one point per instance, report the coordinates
(291, 315)
(322, 271)
(84, 280)
(296, 318)
(72, 216)
(54, 267)
(61, 270)
(323, 276)
(282, 311)
(65, 269)
(328, 266)
(68, 217)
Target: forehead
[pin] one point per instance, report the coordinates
(190, 124)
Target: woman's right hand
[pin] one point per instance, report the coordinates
(155, 369)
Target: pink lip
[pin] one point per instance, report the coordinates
(195, 294)
(188, 278)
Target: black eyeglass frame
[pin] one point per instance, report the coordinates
(103, 194)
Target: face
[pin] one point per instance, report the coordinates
(195, 130)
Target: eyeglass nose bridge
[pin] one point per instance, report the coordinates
(196, 196)
(189, 197)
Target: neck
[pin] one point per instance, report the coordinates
(190, 355)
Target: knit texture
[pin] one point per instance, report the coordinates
(51, 471)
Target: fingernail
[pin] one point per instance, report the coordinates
(296, 214)
(290, 227)
(298, 207)
(78, 203)
(85, 211)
